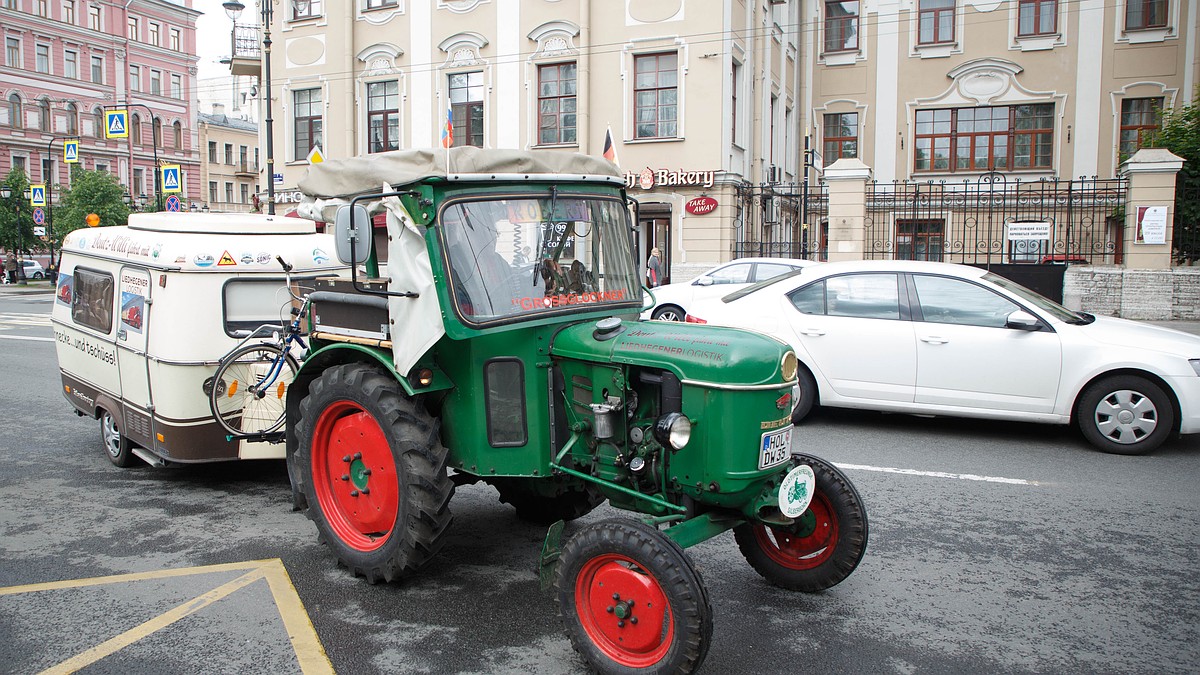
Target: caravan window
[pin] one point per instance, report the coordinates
(92, 302)
(250, 303)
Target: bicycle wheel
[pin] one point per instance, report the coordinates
(248, 393)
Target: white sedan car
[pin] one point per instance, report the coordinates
(671, 302)
(935, 338)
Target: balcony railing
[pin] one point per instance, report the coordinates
(247, 41)
(245, 167)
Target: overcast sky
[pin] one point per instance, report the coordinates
(213, 36)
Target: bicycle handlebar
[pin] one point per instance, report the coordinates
(286, 267)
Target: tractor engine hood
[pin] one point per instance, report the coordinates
(728, 356)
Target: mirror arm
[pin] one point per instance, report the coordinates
(371, 256)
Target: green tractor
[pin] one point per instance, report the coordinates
(499, 342)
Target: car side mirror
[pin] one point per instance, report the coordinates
(703, 281)
(352, 224)
(1022, 320)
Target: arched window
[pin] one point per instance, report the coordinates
(44, 114)
(158, 132)
(16, 113)
(72, 120)
(177, 134)
(135, 129)
(98, 121)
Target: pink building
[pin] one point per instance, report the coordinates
(66, 61)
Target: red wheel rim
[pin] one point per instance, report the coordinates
(634, 628)
(802, 552)
(354, 476)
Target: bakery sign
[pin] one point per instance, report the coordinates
(648, 179)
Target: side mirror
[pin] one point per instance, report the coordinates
(352, 224)
(703, 281)
(1022, 320)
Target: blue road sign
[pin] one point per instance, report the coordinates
(173, 203)
(37, 195)
(171, 181)
(39, 216)
(71, 152)
(116, 123)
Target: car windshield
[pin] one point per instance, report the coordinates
(521, 258)
(762, 284)
(1045, 304)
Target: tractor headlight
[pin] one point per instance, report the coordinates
(674, 430)
(788, 366)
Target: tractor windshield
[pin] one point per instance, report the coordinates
(513, 258)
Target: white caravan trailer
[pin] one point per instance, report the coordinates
(144, 313)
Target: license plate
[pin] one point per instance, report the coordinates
(776, 447)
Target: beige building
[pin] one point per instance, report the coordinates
(711, 103)
(699, 95)
(229, 162)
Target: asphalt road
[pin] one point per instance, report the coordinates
(993, 547)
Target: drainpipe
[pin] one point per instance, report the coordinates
(584, 116)
(128, 115)
(349, 112)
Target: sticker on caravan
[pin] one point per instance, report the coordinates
(66, 287)
(320, 257)
(203, 260)
(263, 258)
(247, 258)
(156, 250)
(181, 259)
(133, 308)
(226, 260)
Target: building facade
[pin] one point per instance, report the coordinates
(230, 164)
(66, 62)
(699, 96)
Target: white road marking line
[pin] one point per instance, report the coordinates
(24, 337)
(938, 474)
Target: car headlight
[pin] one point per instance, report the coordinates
(673, 429)
(1195, 365)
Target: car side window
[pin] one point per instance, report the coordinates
(864, 296)
(92, 301)
(764, 271)
(810, 299)
(733, 274)
(945, 300)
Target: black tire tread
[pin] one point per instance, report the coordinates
(532, 507)
(1094, 393)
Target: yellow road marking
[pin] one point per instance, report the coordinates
(305, 643)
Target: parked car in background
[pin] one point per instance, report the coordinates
(671, 301)
(33, 269)
(941, 339)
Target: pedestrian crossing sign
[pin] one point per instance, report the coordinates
(71, 152)
(37, 195)
(116, 123)
(170, 178)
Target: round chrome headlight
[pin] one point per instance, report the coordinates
(788, 365)
(674, 430)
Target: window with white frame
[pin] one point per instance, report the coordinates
(841, 25)
(229, 193)
(839, 137)
(735, 87)
(656, 95)
(306, 122)
(383, 116)
(42, 8)
(176, 86)
(41, 58)
(245, 190)
(466, 106)
(1037, 17)
(156, 82)
(985, 138)
(175, 40)
(135, 78)
(72, 119)
(98, 69)
(16, 111)
(212, 191)
(1143, 14)
(94, 21)
(177, 135)
(212, 152)
(68, 13)
(556, 103)
(133, 32)
(44, 114)
(12, 52)
(71, 64)
(229, 154)
(153, 33)
(306, 9)
(378, 4)
(1139, 123)
(935, 21)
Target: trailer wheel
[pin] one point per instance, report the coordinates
(631, 600)
(118, 448)
(822, 548)
(571, 503)
(373, 471)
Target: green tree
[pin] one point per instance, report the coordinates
(16, 215)
(1180, 134)
(96, 192)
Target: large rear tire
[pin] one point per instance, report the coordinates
(373, 470)
(534, 506)
(824, 545)
(632, 601)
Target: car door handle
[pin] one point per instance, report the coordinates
(812, 332)
(934, 340)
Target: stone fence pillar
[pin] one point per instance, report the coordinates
(1151, 173)
(847, 181)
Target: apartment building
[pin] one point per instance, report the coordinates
(229, 167)
(699, 96)
(66, 61)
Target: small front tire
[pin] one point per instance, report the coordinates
(668, 313)
(632, 601)
(118, 448)
(1125, 415)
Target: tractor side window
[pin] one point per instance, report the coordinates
(504, 383)
(92, 301)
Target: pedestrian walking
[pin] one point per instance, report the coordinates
(10, 268)
(654, 268)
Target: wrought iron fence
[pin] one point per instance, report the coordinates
(777, 220)
(1186, 237)
(995, 219)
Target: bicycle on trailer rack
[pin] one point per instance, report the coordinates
(247, 395)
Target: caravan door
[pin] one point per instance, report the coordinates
(133, 307)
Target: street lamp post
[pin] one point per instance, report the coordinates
(50, 199)
(233, 9)
(153, 146)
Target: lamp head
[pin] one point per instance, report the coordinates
(233, 9)
(5, 192)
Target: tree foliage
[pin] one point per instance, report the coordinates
(1180, 133)
(96, 192)
(16, 215)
